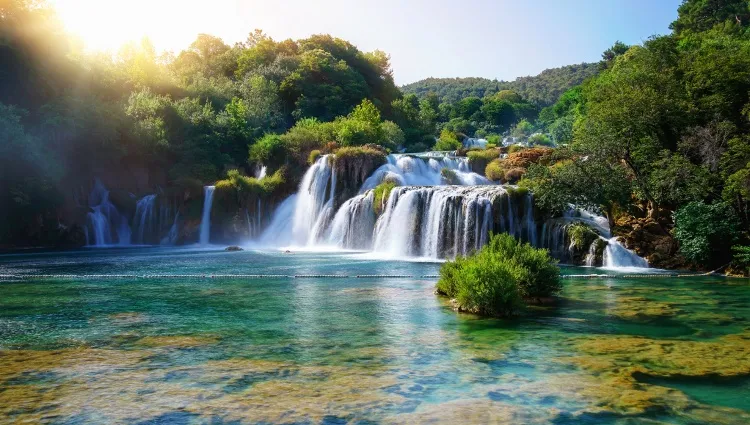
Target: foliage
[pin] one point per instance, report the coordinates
(542, 90)
(495, 171)
(447, 142)
(496, 280)
(741, 259)
(706, 232)
(381, 194)
(581, 235)
(539, 139)
(270, 151)
(314, 155)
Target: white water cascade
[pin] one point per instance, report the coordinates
(174, 230)
(145, 222)
(314, 202)
(617, 256)
(436, 222)
(105, 226)
(409, 170)
(205, 229)
(438, 209)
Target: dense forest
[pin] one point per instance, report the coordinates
(163, 119)
(660, 140)
(543, 89)
(655, 136)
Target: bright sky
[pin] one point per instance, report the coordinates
(502, 39)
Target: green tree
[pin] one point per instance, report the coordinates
(706, 233)
(447, 142)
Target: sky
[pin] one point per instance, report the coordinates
(501, 39)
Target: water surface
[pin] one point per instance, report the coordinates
(236, 350)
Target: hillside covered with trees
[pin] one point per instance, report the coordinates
(542, 90)
(660, 140)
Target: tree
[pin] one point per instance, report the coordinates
(609, 55)
(447, 142)
(706, 233)
(632, 113)
(702, 15)
(499, 112)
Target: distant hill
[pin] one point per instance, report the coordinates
(543, 89)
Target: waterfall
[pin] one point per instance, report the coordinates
(205, 229)
(145, 222)
(616, 256)
(411, 170)
(314, 202)
(353, 223)
(173, 233)
(424, 215)
(260, 172)
(104, 224)
(436, 222)
(590, 260)
(279, 232)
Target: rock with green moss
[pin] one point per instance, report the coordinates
(480, 158)
(449, 176)
(583, 242)
(382, 192)
(352, 166)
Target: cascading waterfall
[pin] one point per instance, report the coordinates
(411, 170)
(174, 230)
(205, 229)
(353, 223)
(590, 260)
(424, 216)
(436, 222)
(616, 256)
(145, 222)
(314, 202)
(105, 225)
(278, 232)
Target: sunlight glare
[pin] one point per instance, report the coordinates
(170, 25)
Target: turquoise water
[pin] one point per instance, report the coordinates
(224, 350)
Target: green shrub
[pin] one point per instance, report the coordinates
(496, 280)
(314, 155)
(540, 139)
(448, 141)
(706, 232)
(515, 148)
(271, 151)
(382, 192)
(581, 235)
(483, 155)
(741, 259)
(495, 171)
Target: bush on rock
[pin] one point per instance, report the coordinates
(500, 278)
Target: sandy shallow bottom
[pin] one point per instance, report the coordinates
(356, 350)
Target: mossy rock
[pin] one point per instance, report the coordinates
(382, 193)
(352, 166)
(449, 176)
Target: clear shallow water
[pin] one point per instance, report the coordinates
(356, 350)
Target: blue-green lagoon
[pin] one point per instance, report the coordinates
(151, 349)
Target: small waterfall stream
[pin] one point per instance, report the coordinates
(105, 226)
(205, 229)
(617, 256)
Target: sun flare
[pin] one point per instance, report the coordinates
(170, 25)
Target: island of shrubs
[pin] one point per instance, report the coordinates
(500, 279)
